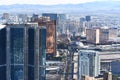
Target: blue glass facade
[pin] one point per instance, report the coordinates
(88, 18)
(42, 45)
(17, 72)
(16, 53)
(31, 33)
(2, 54)
(19, 55)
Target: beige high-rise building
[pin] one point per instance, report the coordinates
(92, 35)
(99, 35)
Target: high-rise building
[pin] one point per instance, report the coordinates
(88, 63)
(50, 36)
(22, 52)
(82, 19)
(23, 18)
(6, 16)
(97, 35)
(88, 18)
(62, 17)
(53, 16)
(34, 17)
(58, 18)
(92, 36)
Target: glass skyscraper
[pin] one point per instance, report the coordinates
(22, 52)
(3, 54)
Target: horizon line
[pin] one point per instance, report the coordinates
(53, 4)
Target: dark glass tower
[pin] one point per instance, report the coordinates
(42, 53)
(3, 54)
(88, 18)
(22, 52)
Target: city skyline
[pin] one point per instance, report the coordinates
(60, 40)
(47, 2)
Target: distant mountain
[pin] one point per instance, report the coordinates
(90, 7)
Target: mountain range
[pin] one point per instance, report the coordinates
(90, 7)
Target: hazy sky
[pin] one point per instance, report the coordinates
(47, 2)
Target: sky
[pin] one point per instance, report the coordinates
(47, 2)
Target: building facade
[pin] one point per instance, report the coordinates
(115, 67)
(5, 16)
(104, 35)
(52, 16)
(92, 36)
(88, 18)
(113, 34)
(97, 35)
(83, 65)
(88, 63)
(50, 36)
(23, 48)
